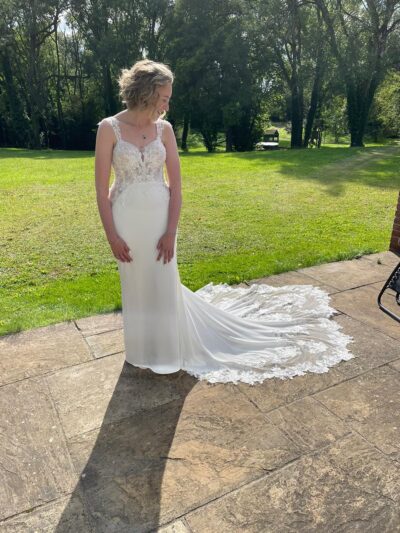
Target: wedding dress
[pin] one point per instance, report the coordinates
(218, 333)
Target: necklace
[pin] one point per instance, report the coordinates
(143, 135)
(135, 126)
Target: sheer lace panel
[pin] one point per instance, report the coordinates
(136, 165)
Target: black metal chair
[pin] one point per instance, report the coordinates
(393, 282)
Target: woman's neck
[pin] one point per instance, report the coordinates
(137, 118)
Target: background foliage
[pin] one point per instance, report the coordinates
(238, 63)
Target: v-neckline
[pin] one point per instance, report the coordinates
(137, 147)
(133, 144)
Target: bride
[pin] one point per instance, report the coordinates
(219, 333)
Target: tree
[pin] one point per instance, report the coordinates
(388, 103)
(359, 35)
(194, 55)
(334, 117)
(316, 44)
(291, 31)
(31, 25)
(218, 87)
(14, 121)
(235, 63)
(244, 90)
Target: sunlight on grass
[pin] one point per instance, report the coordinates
(244, 216)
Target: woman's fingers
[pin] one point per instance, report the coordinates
(168, 255)
(128, 253)
(161, 250)
(165, 253)
(122, 251)
(123, 258)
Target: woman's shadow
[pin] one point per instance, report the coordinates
(122, 463)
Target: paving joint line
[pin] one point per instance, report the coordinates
(32, 509)
(353, 430)
(370, 326)
(263, 476)
(54, 371)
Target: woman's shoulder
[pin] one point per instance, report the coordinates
(106, 120)
(164, 123)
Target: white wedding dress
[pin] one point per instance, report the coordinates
(218, 333)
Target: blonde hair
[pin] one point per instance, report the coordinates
(138, 85)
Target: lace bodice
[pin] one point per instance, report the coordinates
(136, 165)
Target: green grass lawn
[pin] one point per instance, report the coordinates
(244, 216)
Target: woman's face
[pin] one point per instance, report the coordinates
(164, 96)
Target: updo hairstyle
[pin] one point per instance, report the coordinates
(138, 85)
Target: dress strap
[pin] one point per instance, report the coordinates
(160, 127)
(115, 126)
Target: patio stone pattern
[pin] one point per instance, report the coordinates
(41, 350)
(36, 466)
(106, 343)
(326, 491)
(92, 444)
(92, 325)
(345, 275)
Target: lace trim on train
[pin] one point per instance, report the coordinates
(283, 303)
(305, 312)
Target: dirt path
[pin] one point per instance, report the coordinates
(335, 173)
(366, 157)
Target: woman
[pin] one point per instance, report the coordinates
(220, 333)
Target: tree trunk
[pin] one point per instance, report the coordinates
(315, 97)
(297, 116)
(34, 89)
(60, 114)
(19, 125)
(208, 141)
(297, 99)
(312, 111)
(108, 95)
(185, 132)
(357, 115)
(229, 140)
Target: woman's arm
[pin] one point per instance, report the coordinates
(167, 241)
(103, 157)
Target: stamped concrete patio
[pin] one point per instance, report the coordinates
(90, 444)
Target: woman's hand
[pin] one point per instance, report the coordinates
(120, 250)
(165, 247)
